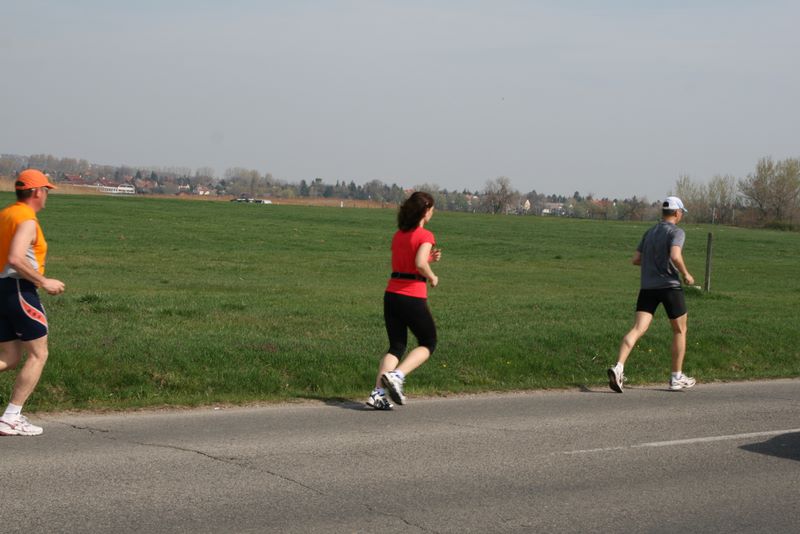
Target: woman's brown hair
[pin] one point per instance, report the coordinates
(413, 210)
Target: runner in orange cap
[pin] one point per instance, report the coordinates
(23, 323)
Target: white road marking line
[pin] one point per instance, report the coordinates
(687, 441)
(718, 438)
(589, 451)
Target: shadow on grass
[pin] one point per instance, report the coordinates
(783, 446)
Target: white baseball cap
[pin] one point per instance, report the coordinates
(673, 203)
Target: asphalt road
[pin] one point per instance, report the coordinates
(718, 458)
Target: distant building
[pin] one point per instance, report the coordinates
(553, 208)
(123, 189)
(102, 185)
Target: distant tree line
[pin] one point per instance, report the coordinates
(768, 197)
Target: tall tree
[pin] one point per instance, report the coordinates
(722, 198)
(499, 196)
(786, 190)
(695, 198)
(773, 190)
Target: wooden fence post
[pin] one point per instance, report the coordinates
(709, 254)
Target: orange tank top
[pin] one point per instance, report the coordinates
(10, 218)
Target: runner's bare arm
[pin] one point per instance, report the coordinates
(24, 237)
(421, 262)
(676, 256)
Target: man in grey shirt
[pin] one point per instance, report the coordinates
(661, 260)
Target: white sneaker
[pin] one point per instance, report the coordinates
(393, 385)
(378, 401)
(615, 379)
(684, 382)
(19, 427)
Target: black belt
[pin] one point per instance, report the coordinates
(410, 276)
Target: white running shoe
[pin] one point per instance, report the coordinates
(684, 382)
(19, 427)
(393, 385)
(615, 379)
(378, 401)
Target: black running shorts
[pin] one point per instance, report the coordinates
(21, 313)
(672, 298)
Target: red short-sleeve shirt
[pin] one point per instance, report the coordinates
(404, 252)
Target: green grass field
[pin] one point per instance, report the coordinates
(172, 302)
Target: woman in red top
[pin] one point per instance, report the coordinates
(405, 302)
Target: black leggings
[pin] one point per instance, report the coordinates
(402, 313)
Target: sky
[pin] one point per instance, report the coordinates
(612, 98)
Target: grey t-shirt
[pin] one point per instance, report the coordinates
(658, 271)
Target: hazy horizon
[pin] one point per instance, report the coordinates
(614, 100)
